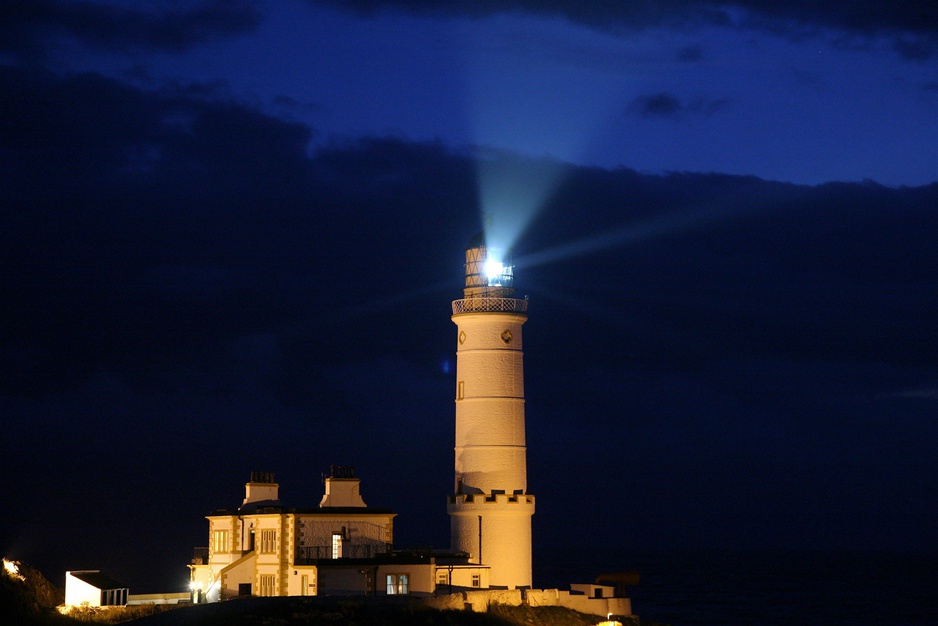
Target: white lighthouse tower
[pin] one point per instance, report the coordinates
(490, 511)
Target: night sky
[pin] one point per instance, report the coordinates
(231, 233)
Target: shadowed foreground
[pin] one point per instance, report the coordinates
(371, 611)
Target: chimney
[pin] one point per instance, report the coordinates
(342, 488)
(261, 489)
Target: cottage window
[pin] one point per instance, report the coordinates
(220, 541)
(398, 584)
(268, 541)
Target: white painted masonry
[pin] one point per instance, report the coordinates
(490, 510)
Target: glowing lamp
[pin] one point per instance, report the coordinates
(494, 270)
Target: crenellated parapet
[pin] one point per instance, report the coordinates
(468, 501)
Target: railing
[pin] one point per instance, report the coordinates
(489, 305)
(309, 555)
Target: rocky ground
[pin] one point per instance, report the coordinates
(27, 598)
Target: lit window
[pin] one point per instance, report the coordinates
(269, 541)
(337, 545)
(398, 584)
(220, 541)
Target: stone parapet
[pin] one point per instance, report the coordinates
(468, 501)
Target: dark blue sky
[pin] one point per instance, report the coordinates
(231, 233)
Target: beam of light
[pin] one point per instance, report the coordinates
(632, 233)
(512, 190)
(526, 96)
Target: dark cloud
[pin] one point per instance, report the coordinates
(913, 24)
(915, 50)
(663, 104)
(190, 295)
(690, 54)
(25, 27)
(657, 105)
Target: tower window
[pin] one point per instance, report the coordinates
(337, 545)
(461, 390)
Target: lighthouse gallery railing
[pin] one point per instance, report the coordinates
(489, 305)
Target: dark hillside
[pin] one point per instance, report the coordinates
(27, 597)
(332, 611)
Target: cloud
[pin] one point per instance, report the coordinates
(912, 25)
(690, 54)
(124, 199)
(668, 105)
(294, 307)
(657, 105)
(25, 26)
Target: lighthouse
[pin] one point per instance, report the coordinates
(490, 509)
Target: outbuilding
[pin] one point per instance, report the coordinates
(92, 588)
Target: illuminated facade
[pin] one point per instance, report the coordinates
(345, 548)
(265, 549)
(490, 509)
(92, 588)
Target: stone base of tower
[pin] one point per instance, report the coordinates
(498, 526)
(590, 599)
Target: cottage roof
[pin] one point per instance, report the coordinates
(96, 579)
(326, 510)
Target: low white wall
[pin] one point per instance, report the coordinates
(159, 598)
(579, 602)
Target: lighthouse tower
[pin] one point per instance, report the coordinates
(490, 511)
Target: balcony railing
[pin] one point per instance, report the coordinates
(309, 555)
(489, 305)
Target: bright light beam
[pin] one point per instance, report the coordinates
(512, 190)
(525, 97)
(494, 269)
(642, 231)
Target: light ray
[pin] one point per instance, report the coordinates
(632, 233)
(512, 191)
